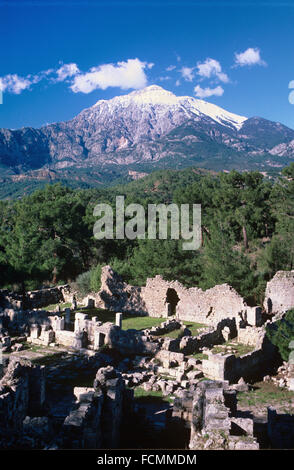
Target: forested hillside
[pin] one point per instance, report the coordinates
(247, 233)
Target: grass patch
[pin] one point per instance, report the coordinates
(48, 360)
(139, 323)
(193, 327)
(236, 348)
(53, 307)
(265, 393)
(142, 396)
(200, 356)
(129, 321)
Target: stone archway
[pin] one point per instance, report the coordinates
(172, 300)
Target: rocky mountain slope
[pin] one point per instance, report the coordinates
(144, 130)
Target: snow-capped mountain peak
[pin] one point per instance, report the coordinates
(155, 95)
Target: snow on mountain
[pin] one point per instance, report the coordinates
(155, 95)
(144, 127)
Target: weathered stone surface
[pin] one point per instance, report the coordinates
(279, 294)
(212, 425)
(194, 304)
(22, 392)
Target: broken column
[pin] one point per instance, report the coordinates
(254, 316)
(35, 331)
(118, 319)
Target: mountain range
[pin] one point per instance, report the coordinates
(142, 131)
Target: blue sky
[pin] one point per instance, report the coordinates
(59, 57)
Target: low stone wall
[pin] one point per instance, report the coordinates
(169, 357)
(252, 366)
(42, 298)
(35, 299)
(224, 330)
(91, 334)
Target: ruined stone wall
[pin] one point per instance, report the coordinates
(194, 304)
(251, 336)
(35, 299)
(279, 294)
(208, 307)
(43, 297)
(119, 296)
(206, 339)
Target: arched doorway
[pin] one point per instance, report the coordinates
(172, 300)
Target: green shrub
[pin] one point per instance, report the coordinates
(82, 283)
(95, 278)
(281, 333)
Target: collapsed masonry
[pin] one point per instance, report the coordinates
(211, 413)
(22, 394)
(94, 422)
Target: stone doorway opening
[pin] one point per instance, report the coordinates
(172, 300)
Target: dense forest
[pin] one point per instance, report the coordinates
(247, 233)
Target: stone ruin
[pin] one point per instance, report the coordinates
(22, 394)
(211, 413)
(35, 299)
(279, 294)
(94, 421)
(149, 360)
(160, 298)
(90, 334)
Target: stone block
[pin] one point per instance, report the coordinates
(118, 319)
(254, 316)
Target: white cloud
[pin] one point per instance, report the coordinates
(170, 68)
(206, 92)
(249, 57)
(178, 83)
(212, 68)
(164, 78)
(13, 83)
(65, 71)
(187, 73)
(129, 74)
